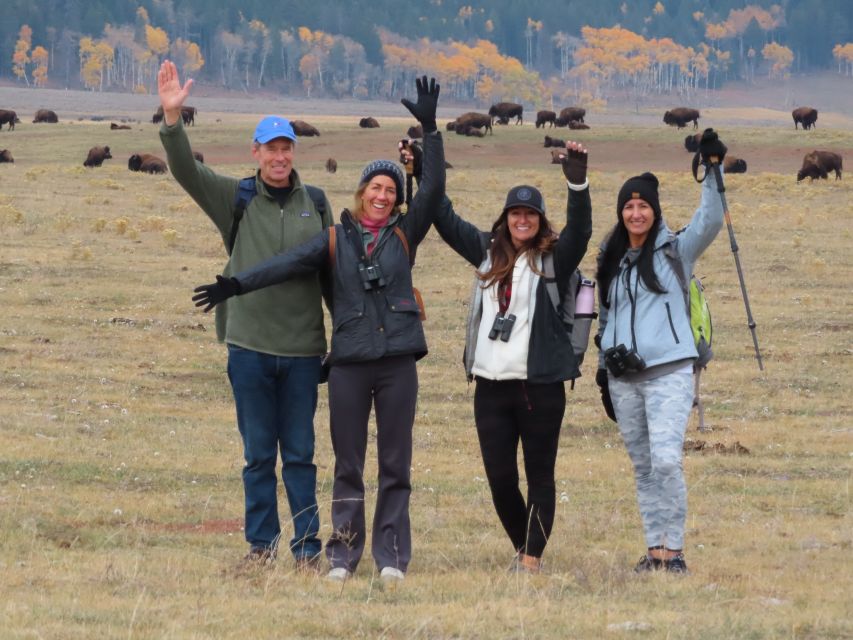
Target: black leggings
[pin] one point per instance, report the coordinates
(507, 411)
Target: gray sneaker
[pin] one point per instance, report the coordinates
(339, 574)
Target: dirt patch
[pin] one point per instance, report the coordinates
(233, 525)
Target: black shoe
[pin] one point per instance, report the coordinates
(676, 564)
(648, 563)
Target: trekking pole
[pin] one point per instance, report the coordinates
(715, 163)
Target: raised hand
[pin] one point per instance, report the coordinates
(574, 163)
(219, 291)
(172, 94)
(424, 110)
(711, 148)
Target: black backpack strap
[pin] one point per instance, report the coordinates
(245, 192)
(319, 199)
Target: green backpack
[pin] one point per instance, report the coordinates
(697, 307)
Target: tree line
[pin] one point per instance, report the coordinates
(527, 52)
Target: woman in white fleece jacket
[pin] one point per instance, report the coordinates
(518, 350)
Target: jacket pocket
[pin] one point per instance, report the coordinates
(353, 313)
(671, 324)
(403, 314)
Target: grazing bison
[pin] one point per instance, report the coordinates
(474, 120)
(198, 155)
(691, 142)
(331, 165)
(416, 131)
(45, 115)
(680, 116)
(545, 116)
(147, 163)
(818, 164)
(451, 126)
(96, 156)
(187, 115)
(115, 127)
(575, 124)
(805, 116)
(572, 113)
(7, 116)
(554, 142)
(734, 165)
(302, 128)
(6, 156)
(506, 110)
(368, 123)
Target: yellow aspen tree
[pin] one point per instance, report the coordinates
(21, 58)
(157, 40)
(40, 58)
(781, 57)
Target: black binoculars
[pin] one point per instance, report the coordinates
(371, 276)
(620, 360)
(502, 326)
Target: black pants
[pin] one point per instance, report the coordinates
(508, 411)
(391, 386)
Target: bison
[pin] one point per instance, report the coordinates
(187, 115)
(805, 116)
(680, 116)
(368, 123)
(7, 116)
(451, 126)
(198, 155)
(6, 156)
(115, 127)
(302, 128)
(575, 124)
(818, 164)
(572, 113)
(331, 165)
(554, 142)
(545, 116)
(469, 130)
(147, 163)
(506, 110)
(734, 165)
(45, 115)
(691, 142)
(475, 120)
(96, 156)
(416, 131)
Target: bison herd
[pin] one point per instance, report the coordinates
(817, 164)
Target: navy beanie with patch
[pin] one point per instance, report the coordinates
(645, 187)
(385, 168)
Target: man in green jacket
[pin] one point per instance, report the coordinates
(275, 337)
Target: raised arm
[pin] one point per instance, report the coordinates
(463, 237)
(423, 209)
(574, 238)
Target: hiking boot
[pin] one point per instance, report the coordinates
(339, 574)
(648, 563)
(676, 564)
(256, 558)
(523, 563)
(308, 564)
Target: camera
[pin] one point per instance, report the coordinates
(371, 276)
(411, 154)
(502, 326)
(620, 360)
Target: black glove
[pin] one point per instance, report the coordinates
(574, 165)
(711, 146)
(604, 387)
(424, 110)
(212, 294)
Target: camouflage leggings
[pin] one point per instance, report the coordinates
(652, 418)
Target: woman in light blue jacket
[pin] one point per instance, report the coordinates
(647, 348)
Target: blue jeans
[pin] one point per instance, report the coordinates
(276, 397)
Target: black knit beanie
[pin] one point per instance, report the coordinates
(645, 187)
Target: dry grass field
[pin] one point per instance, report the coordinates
(120, 493)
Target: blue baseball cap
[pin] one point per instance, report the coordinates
(272, 127)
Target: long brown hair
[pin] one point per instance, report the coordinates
(504, 253)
